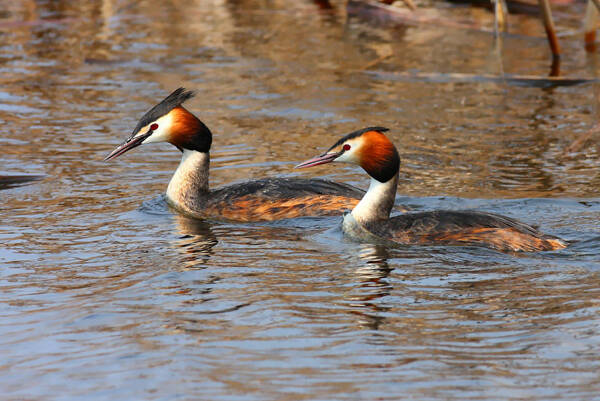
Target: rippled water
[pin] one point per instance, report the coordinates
(105, 293)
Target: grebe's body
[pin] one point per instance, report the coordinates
(260, 200)
(372, 150)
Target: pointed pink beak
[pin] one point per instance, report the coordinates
(129, 144)
(323, 159)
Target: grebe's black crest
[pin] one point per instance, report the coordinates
(357, 134)
(176, 98)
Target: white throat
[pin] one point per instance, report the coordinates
(190, 180)
(377, 202)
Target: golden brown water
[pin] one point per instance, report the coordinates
(107, 294)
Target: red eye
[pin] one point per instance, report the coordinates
(346, 147)
(154, 127)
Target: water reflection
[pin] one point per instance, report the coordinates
(371, 286)
(195, 243)
(10, 181)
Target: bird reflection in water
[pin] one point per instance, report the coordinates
(195, 243)
(372, 286)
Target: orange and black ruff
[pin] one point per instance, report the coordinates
(259, 200)
(377, 155)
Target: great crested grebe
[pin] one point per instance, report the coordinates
(377, 155)
(259, 200)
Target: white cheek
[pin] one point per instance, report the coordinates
(349, 156)
(161, 134)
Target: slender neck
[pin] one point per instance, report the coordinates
(190, 180)
(377, 202)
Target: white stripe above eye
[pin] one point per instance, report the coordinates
(161, 134)
(353, 154)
